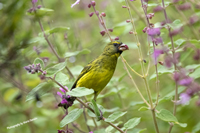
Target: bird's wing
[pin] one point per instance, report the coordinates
(85, 70)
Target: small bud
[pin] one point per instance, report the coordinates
(111, 30)
(161, 63)
(124, 6)
(130, 32)
(144, 61)
(103, 14)
(89, 5)
(91, 14)
(102, 33)
(127, 21)
(39, 6)
(150, 15)
(44, 72)
(33, 71)
(144, 30)
(93, 3)
(116, 38)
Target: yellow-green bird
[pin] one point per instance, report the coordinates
(98, 72)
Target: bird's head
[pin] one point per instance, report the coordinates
(115, 48)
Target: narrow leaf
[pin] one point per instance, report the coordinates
(72, 116)
(132, 123)
(115, 116)
(96, 110)
(80, 91)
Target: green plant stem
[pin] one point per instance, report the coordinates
(142, 66)
(52, 48)
(135, 84)
(175, 67)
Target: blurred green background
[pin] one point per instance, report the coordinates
(21, 42)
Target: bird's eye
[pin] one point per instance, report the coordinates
(115, 44)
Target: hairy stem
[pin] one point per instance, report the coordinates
(175, 67)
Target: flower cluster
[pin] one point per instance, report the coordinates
(34, 68)
(67, 100)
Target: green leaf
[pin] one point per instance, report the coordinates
(110, 128)
(196, 128)
(193, 66)
(57, 29)
(41, 12)
(195, 74)
(54, 30)
(40, 40)
(55, 69)
(40, 89)
(115, 116)
(80, 91)
(96, 110)
(112, 110)
(167, 116)
(72, 116)
(162, 70)
(84, 51)
(179, 42)
(39, 61)
(195, 42)
(176, 24)
(143, 108)
(62, 78)
(132, 123)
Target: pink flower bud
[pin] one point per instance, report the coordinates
(127, 21)
(124, 6)
(111, 30)
(116, 38)
(130, 32)
(89, 5)
(103, 14)
(102, 32)
(91, 14)
(93, 3)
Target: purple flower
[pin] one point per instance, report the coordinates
(184, 98)
(157, 9)
(186, 81)
(64, 101)
(156, 54)
(34, 1)
(77, 2)
(157, 40)
(153, 32)
(91, 132)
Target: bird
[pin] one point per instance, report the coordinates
(97, 73)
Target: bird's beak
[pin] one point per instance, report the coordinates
(123, 47)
